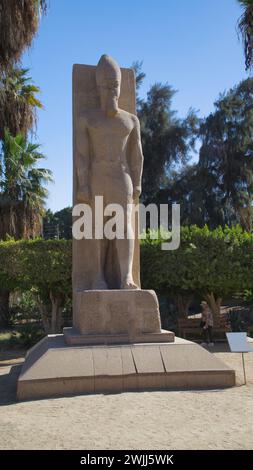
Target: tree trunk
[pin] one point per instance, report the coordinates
(214, 304)
(56, 317)
(183, 303)
(59, 320)
(4, 308)
(45, 316)
(19, 221)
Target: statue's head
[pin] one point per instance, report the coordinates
(108, 78)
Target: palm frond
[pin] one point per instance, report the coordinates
(19, 21)
(22, 182)
(245, 26)
(18, 101)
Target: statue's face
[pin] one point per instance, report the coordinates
(109, 90)
(108, 78)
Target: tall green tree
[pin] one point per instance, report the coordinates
(22, 197)
(226, 154)
(245, 25)
(139, 77)
(18, 101)
(167, 140)
(218, 189)
(22, 188)
(58, 225)
(195, 189)
(19, 21)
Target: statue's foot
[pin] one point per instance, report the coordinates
(128, 283)
(99, 284)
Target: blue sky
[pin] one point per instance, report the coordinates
(191, 44)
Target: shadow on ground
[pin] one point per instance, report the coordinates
(8, 385)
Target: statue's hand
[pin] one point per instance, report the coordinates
(83, 196)
(136, 192)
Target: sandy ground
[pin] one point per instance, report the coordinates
(218, 419)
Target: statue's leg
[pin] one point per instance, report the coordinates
(125, 247)
(125, 251)
(99, 282)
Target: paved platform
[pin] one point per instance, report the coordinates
(52, 368)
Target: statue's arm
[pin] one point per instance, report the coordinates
(135, 158)
(82, 163)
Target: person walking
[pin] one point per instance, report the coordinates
(207, 325)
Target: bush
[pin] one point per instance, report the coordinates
(30, 334)
(24, 306)
(236, 321)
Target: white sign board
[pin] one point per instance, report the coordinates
(238, 342)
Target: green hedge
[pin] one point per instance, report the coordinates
(213, 264)
(220, 260)
(45, 267)
(44, 264)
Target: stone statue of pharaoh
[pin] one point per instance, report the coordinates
(111, 144)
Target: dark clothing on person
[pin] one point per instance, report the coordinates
(208, 334)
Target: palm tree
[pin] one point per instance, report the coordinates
(21, 184)
(22, 190)
(19, 21)
(245, 25)
(22, 197)
(18, 101)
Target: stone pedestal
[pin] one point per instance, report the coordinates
(116, 317)
(117, 345)
(52, 368)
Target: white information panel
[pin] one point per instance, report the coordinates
(238, 342)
